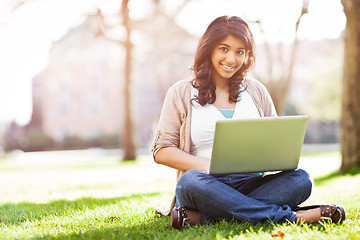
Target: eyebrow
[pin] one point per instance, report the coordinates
(224, 44)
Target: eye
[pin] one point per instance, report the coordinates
(240, 52)
(223, 49)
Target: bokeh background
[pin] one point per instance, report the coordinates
(64, 75)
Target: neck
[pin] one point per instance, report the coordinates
(221, 84)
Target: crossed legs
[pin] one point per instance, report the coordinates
(243, 197)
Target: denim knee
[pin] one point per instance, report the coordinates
(304, 182)
(188, 179)
(188, 184)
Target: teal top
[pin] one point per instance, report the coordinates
(228, 113)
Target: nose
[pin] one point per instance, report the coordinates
(230, 57)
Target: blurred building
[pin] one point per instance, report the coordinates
(80, 95)
(80, 92)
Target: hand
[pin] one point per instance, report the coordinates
(205, 164)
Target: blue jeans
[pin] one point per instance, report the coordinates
(244, 197)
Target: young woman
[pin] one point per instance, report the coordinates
(184, 138)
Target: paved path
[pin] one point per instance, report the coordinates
(316, 166)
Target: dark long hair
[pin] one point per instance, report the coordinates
(219, 29)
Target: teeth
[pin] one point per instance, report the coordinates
(228, 68)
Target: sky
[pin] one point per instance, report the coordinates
(26, 35)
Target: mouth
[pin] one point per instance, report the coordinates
(227, 68)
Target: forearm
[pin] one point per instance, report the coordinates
(175, 158)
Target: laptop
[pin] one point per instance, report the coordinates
(257, 145)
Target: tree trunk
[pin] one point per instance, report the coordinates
(350, 117)
(127, 136)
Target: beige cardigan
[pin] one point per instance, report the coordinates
(174, 127)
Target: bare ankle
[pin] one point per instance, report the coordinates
(308, 216)
(194, 217)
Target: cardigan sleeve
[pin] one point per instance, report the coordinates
(171, 119)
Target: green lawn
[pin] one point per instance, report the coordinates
(105, 199)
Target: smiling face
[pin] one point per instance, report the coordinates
(227, 58)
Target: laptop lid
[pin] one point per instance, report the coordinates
(257, 145)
